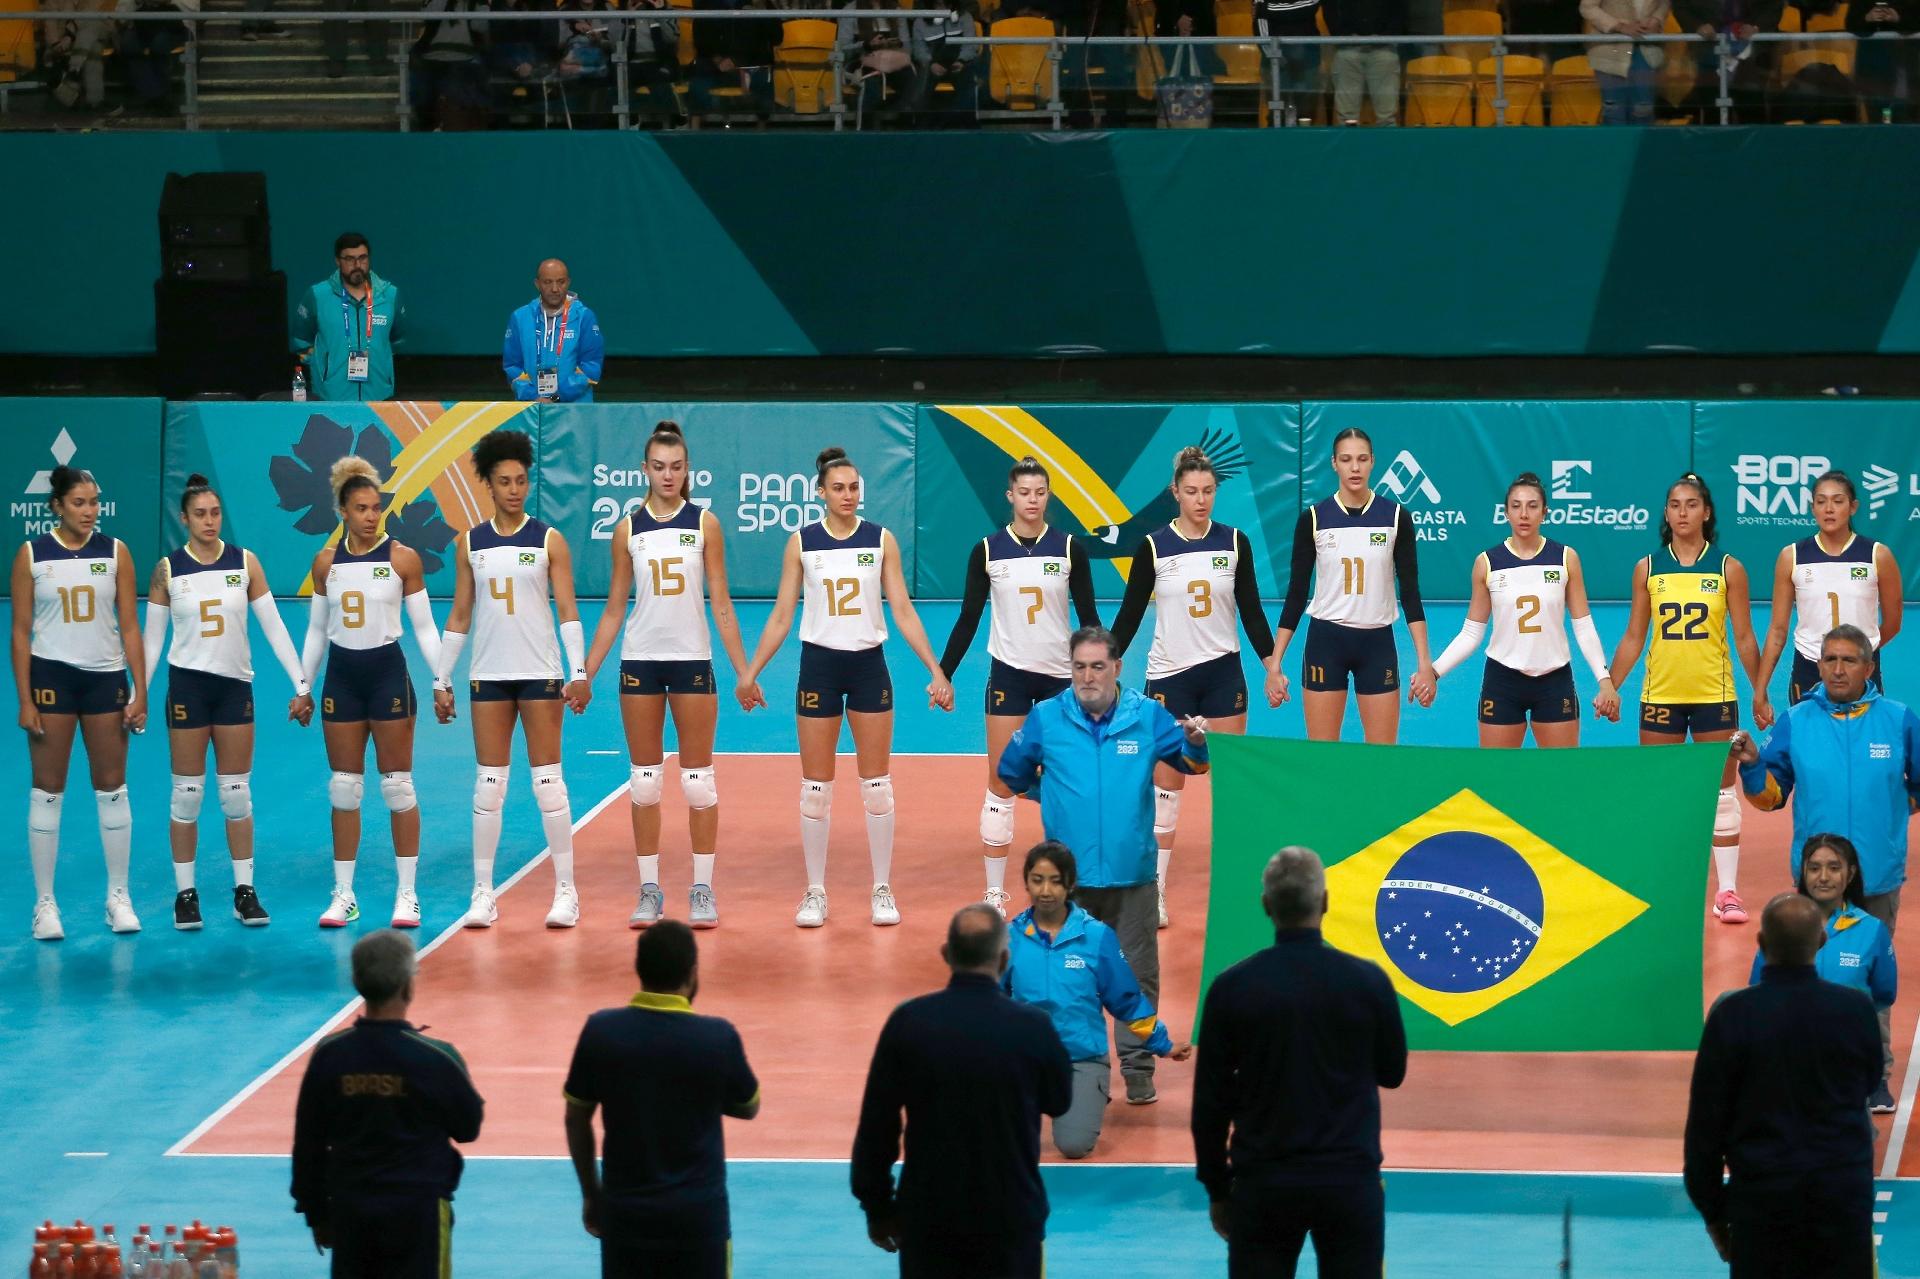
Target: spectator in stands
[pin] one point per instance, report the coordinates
(1539, 18)
(1300, 63)
(449, 88)
(75, 55)
(148, 51)
(373, 1168)
(972, 1071)
(553, 349)
(1817, 93)
(1779, 1101)
(661, 1077)
(653, 60)
(1626, 72)
(735, 54)
(1188, 18)
(583, 65)
(346, 326)
(1372, 69)
(375, 33)
(939, 58)
(1889, 70)
(1752, 64)
(879, 58)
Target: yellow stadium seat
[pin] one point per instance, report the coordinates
(1793, 63)
(803, 65)
(1019, 76)
(17, 49)
(1575, 96)
(1151, 64)
(1243, 60)
(1790, 19)
(1835, 21)
(1525, 82)
(1677, 79)
(1471, 22)
(1439, 92)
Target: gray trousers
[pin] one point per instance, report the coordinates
(1370, 69)
(1884, 907)
(1133, 913)
(1076, 1132)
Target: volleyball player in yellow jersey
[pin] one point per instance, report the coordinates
(1691, 594)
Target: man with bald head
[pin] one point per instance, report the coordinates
(553, 351)
(1779, 1102)
(972, 1071)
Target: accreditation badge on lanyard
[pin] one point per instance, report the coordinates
(553, 337)
(356, 360)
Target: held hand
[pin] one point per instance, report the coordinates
(444, 708)
(940, 693)
(1276, 689)
(577, 695)
(1762, 714)
(748, 694)
(1606, 703)
(1195, 729)
(1422, 687)
(1220, 1214)
(883, 1228)
(30, 720)
(1743, 748)
(135, 716)
(300, 709)
(1180, 1052)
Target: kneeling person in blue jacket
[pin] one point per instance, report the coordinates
(1068, 964)
(553, 350)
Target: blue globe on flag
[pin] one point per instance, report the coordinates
(1459, 911)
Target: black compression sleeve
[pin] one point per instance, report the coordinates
(972, 604)
(1133, 604)
(1406, 569)
(1246, 594)
(1301, 573)
(1080, 589)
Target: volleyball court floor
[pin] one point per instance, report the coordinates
(152, 1078)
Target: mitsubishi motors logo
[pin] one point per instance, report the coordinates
(63, 451)
(1406, 477)
(1882, 484)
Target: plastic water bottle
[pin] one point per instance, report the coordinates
(299, 384)
(226, 1243)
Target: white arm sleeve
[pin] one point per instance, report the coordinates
(425, 633)
(573, 638)
(316, 645)
(280, 642)
(1464, 645)
(154, 633)
(1587, 635)
(451, 642)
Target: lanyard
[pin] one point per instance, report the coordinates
(347, 301)
(548, 339)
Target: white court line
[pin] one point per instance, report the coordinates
(1882, 1196)
(86, 1154)
(233, 1103)
(1897, 1143)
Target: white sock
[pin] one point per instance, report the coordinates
(563, 867)
(703, 868)
(1166, 855)
(182, 876)
(996, 873)
(880, 845)
(486, 846)
(343, 875)
(43, 837)
(116, 834)
(813, 847)
(242, 872)
(649, 869)
(1726, 865)
(558, 824)
(404, 867)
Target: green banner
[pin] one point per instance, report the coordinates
(1760, 460)
(1111, 467)
(1515, 903)
(752, 464)
(1450, 463)
(118, 440)
(269, 463)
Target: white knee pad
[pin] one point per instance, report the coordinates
(549, 789)
(877, 794)
(490, 789)
(996, 821)
(43, 811)
(188, 792)
(115, 813)
(236, 795)
(1726, 814)
(698, 786)
(816, 799)
(644, 784)
(343, 791)
(1166, 810)
(397, 790)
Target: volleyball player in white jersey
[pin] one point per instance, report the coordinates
(847, 567)
(359, 589)
(1833, 578)
(510, 575)
(670, 554)
(206, 589)
(1030, 573)
(1199, 575)
(74, 641)
(1529, 586)
(1358, 549)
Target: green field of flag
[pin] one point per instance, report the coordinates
(1521, 900)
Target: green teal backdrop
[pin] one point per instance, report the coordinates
(116, 439)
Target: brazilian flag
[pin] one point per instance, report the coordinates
(1521, 900)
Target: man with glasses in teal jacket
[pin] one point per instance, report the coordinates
(345, 327)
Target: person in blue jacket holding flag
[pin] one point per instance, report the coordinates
(346, 326)
(1090, 753)
(1849, 758)
(1858, 951)
(1068, 964)
(553, 350)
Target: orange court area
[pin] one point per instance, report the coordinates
(809, 1003)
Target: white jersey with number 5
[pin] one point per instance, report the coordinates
(1529, 623)
(668, 622)
(844, 604)
(363, 593)
(75, 599)
(1834, 589)
(208, 603)
(513, 635)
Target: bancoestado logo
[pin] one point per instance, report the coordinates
(609, 510)
(35, 516)
(1777, 489)
(1570, 501)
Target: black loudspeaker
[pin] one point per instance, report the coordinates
(216, 337)
(213, 226)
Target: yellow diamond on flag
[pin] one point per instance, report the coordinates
(1465, 908)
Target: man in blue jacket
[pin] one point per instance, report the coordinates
(346, 326)
(1091, 751)
(553, 350)
(1850, 760)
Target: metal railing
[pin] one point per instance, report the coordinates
(616, 22)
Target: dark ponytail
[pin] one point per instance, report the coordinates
(64, 479)
(1527, 480)
(1190, 459)
(1028, 468)
(197, 486)
(829, 458)
(1698, 485)
(667, 434)
(1353, 433)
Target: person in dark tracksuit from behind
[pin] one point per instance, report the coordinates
(373, 1168)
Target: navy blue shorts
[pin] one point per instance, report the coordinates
(658, 1258)
(1215, 688)
(1013, 691)
(366, 684)
(1806, 678)
(834, 681)
(200, 699)
(1508, 696)
(930, 1256)
(1335, 652)
(644, 677)
(513, 690)
(396, 1237)
(60, 689)
(1678, 719)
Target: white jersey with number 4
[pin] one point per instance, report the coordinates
(513, 633)
(76, 594)
(1353, 563)
(363, 594)
(1528, 627)
(844, 603)
(208, 603)
(1834, 589)
(668, 622)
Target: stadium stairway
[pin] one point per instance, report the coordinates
(282, 83)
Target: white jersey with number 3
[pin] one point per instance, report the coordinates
(208, 602)
(668, 622)
(844, 602)
(513, 633)
(76, 595)
(363, 593)
(1832, 589)
(1528, 628)
(1194, 617)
